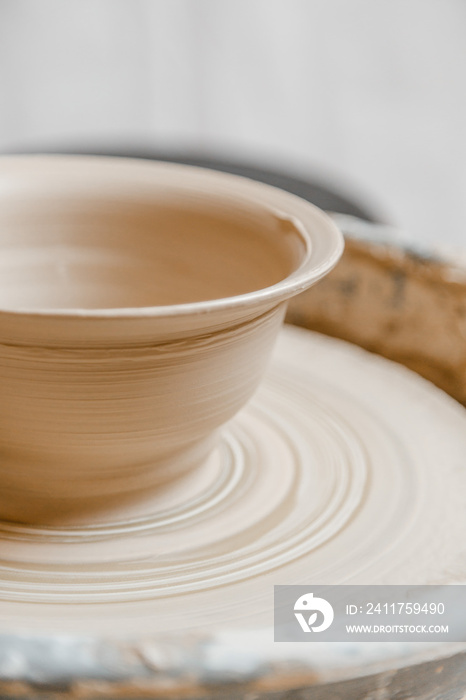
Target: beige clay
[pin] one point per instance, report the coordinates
(118, 579)
(316, 480)
(138, 306)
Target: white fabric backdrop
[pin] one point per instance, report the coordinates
(369, 93)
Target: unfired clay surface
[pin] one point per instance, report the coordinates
(329, 475)
(139, 303)
(406, 305)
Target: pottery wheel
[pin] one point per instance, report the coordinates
(344, 468)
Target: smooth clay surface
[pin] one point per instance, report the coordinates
(139, 304)
(72, 251)
(329, 475)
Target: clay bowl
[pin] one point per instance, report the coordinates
(139, 303)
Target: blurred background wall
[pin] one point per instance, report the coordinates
(367, 94)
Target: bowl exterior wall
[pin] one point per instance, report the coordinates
(102, 422)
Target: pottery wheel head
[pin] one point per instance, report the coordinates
(317, 479)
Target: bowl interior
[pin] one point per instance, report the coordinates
(78, 246)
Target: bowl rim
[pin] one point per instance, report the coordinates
(322, 239)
